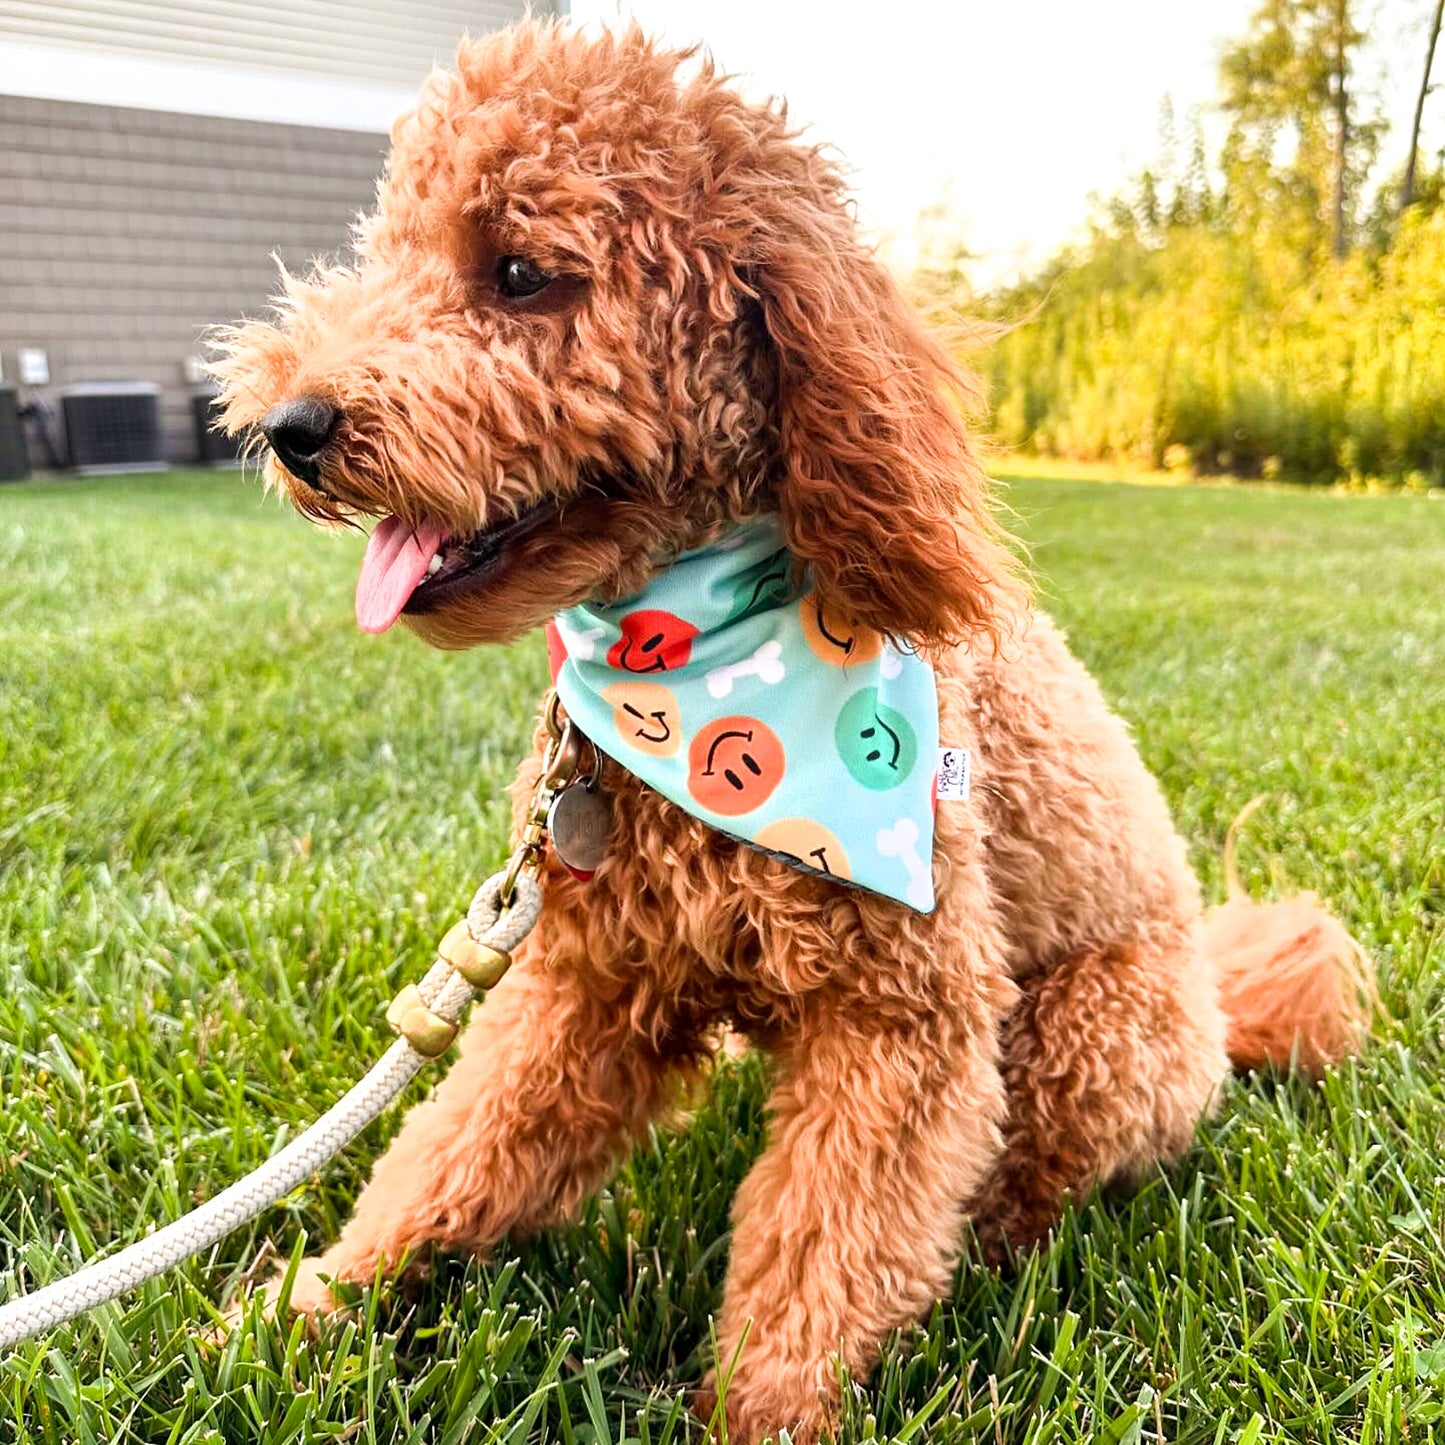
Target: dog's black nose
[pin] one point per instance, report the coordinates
(298, 431)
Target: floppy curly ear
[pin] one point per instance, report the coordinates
(880, 490)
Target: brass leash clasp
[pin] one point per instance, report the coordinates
(561, 764)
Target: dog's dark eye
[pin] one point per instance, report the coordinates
(519, 278)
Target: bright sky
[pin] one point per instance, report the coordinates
(1016, 111)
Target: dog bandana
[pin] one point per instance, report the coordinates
(728, 687)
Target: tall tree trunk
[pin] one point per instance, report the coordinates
(1342, 125)
(1407, 186)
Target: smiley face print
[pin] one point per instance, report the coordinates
(652, 641)
(876, 742)
(646, 716)
(837, 641)
(734, 763)
(810, 843)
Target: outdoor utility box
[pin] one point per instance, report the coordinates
(113, 426)
(213, 447)
(14, 463)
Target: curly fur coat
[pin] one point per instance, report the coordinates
(604, 308)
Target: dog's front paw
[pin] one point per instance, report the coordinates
(313, 1294)
(754, 1412)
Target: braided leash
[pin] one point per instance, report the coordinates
(471, 959)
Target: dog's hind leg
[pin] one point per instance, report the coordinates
(555, 1080)
(1110, 1059)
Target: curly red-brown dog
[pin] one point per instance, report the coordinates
(607, 312)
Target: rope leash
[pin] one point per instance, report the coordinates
(472, 959)
(429, 1022)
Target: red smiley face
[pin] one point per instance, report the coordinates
(734, 764)
(652, 641)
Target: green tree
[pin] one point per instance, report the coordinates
(1407, 185)
(1291, 80)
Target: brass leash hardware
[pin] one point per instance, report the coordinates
(561, 764)
(427, 1032)
(482, 967)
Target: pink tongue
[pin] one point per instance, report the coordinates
(396, 560)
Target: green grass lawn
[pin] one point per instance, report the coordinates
(231, 825)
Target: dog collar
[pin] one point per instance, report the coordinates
(728, 687)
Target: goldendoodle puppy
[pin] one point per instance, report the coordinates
(612, 352)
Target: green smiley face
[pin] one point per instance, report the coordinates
(876, 742)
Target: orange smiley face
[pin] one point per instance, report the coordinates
(646, 717)
(833, 638)
(808, 842)
(734, 763)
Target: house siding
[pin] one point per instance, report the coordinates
(386, 41)
(125, 233)
(128, 228)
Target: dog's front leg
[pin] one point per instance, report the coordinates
(849, 1225)
(553, 1083)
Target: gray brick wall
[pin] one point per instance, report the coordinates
(125, 233)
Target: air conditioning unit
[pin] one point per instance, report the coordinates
(214, 448)
(113, 426)
(14, 461)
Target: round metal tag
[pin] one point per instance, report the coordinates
(579, 822)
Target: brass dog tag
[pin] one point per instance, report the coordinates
(579, 822)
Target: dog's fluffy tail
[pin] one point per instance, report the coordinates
(1293, 984)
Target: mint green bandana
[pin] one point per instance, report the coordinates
(728, 687)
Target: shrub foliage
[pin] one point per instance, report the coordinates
(1256, 310)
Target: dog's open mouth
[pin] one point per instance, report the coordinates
(418, 570)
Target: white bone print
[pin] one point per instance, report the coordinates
(901, 842)
(766, 664)
(581, 645)
(890, 664)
